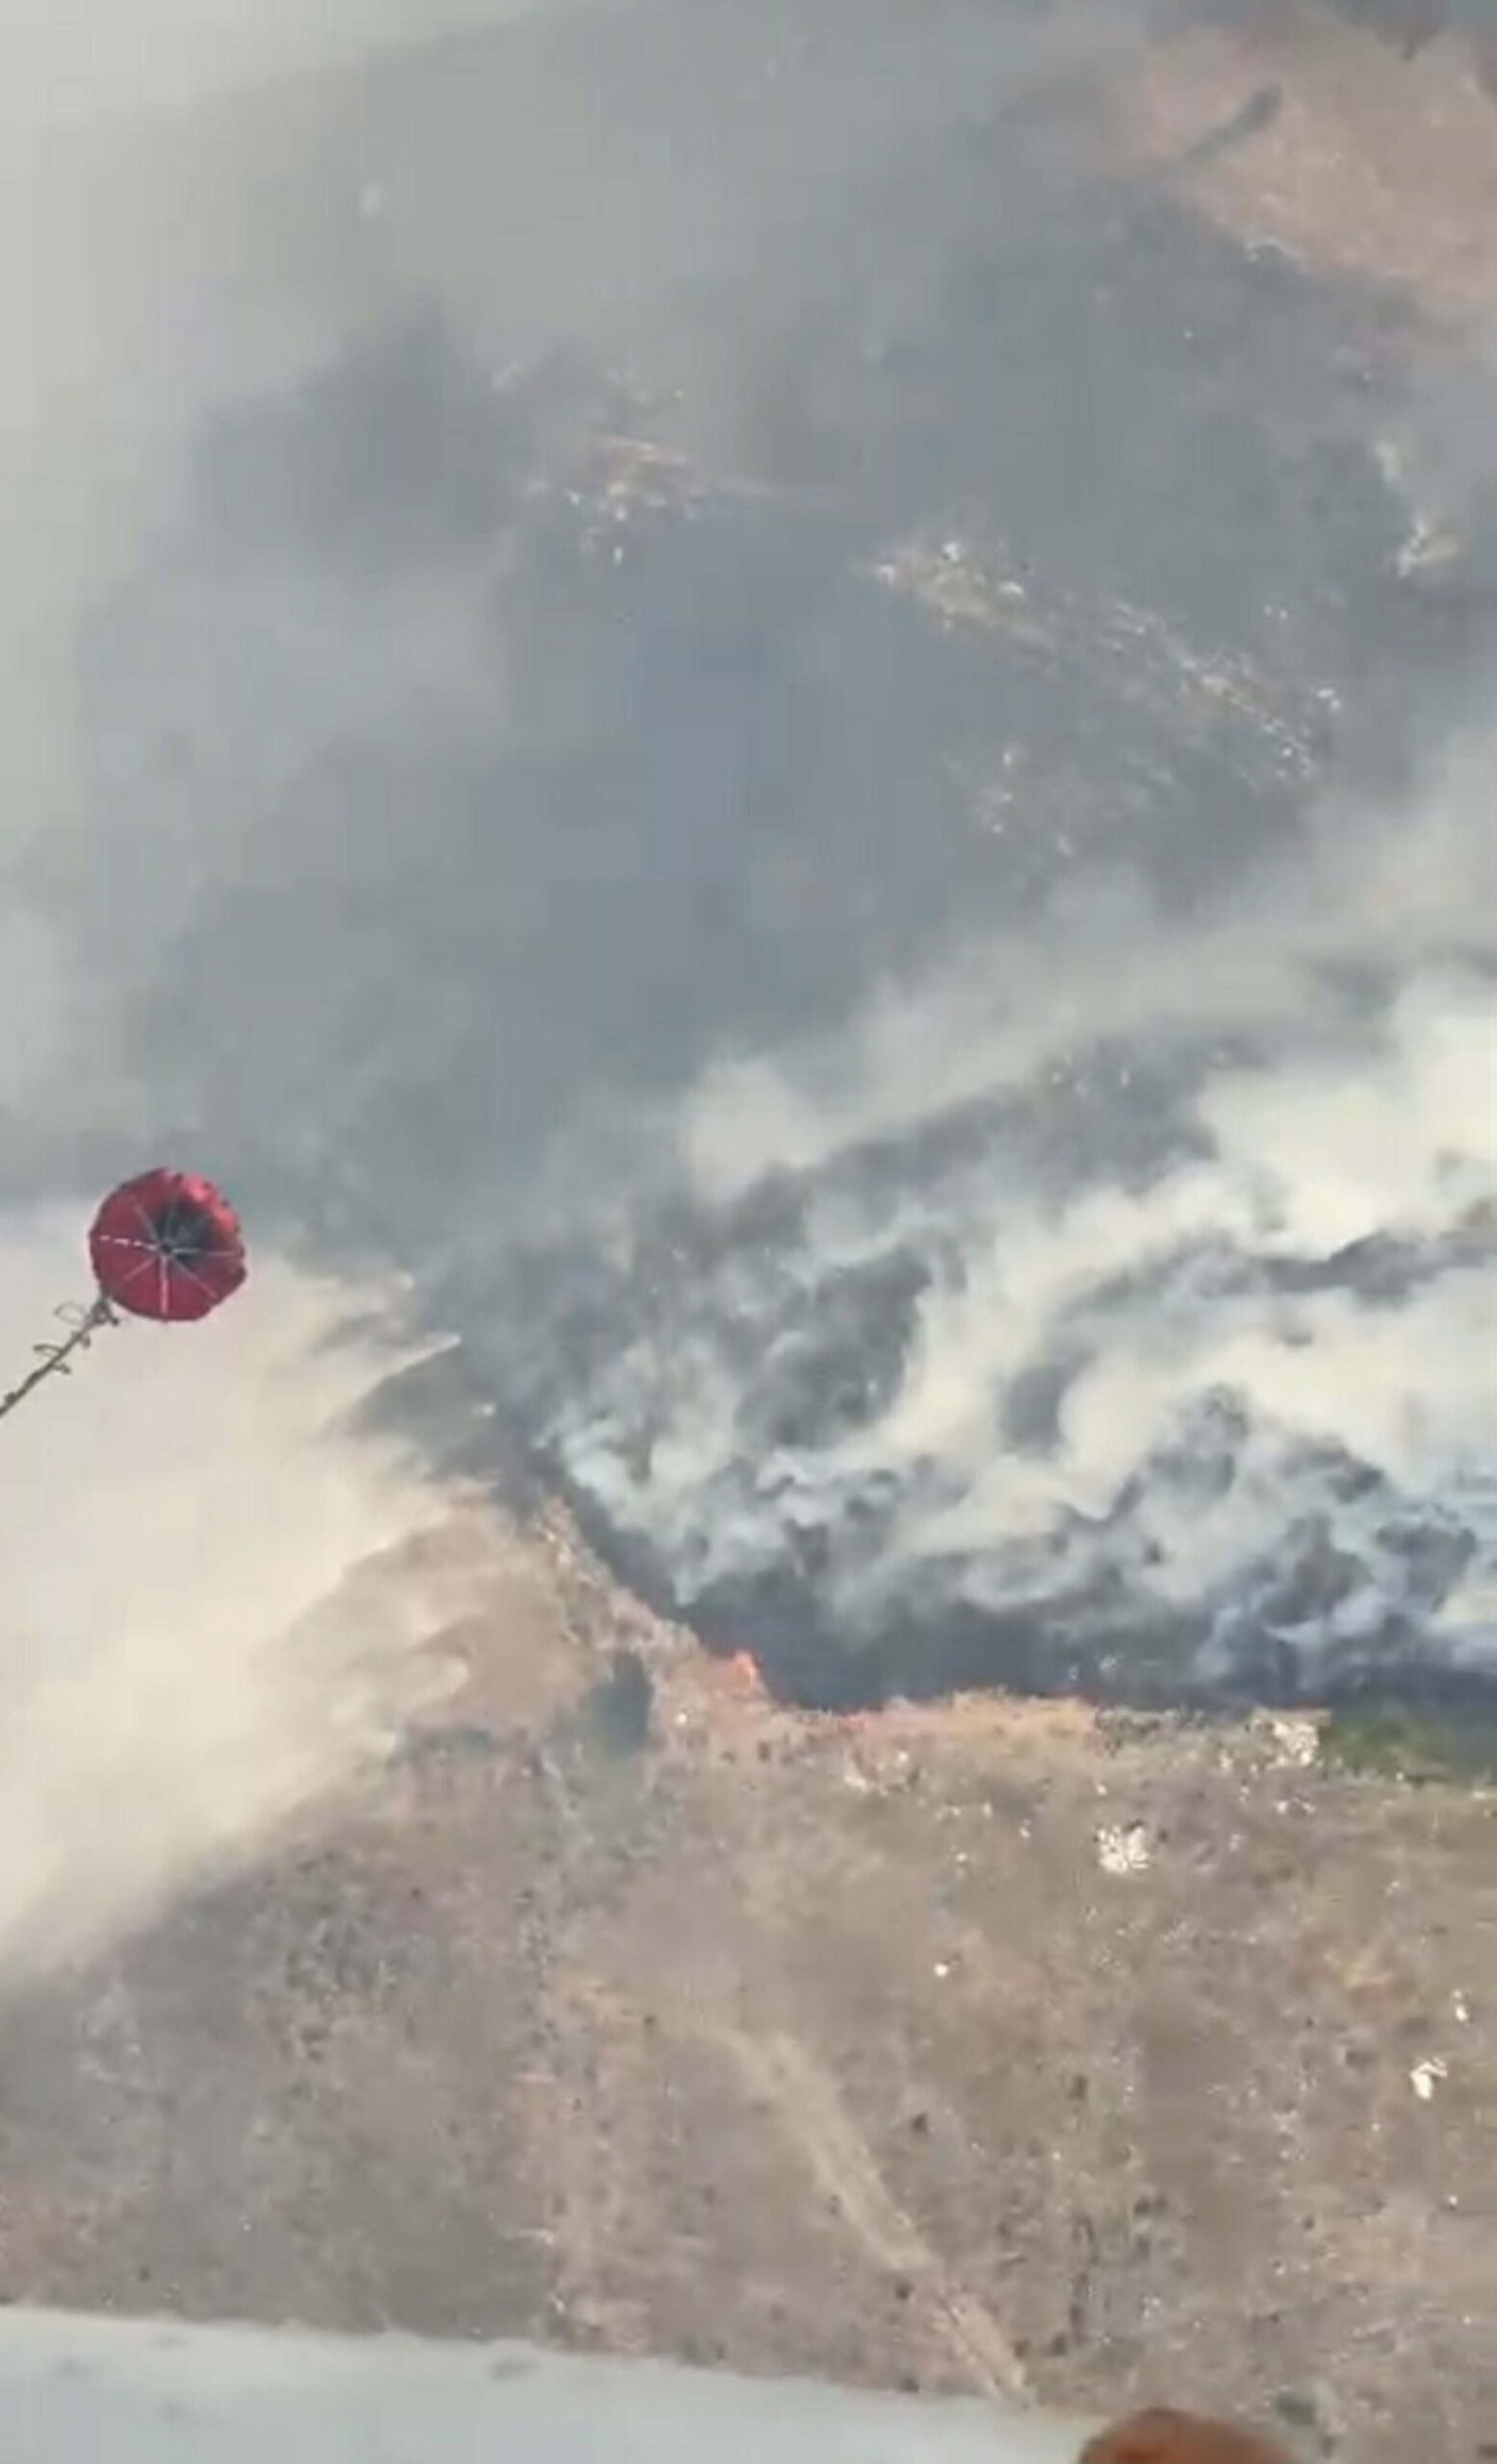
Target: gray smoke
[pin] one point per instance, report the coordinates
(1006, 1391)
(791, 743)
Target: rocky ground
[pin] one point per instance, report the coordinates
(985, 2045)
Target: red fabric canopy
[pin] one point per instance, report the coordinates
(168, 1246)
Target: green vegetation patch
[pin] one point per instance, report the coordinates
(1424, 1743)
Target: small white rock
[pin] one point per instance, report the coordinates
(1123, 1849)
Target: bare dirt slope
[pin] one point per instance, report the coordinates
(985, 2045)
(1283, 122)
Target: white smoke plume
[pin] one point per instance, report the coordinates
(1232, 1409)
